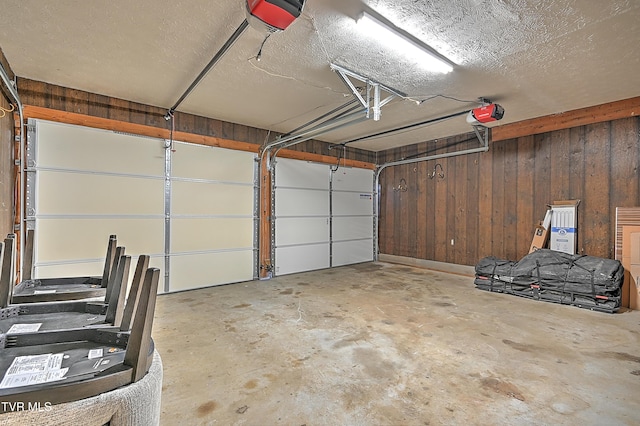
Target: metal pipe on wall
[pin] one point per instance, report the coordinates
(14, 93)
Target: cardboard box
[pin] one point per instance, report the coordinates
(541, 233)
(631, 264)
(634, 287)
(564, 226)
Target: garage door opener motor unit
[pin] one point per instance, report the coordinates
(275, 15)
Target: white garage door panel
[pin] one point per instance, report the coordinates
(81, 148)
(351, 228)
(62, 193)
(301, 202)
(301, 174)
(95, 269)
(352, 203)
(203, 270)
(345, 179)
(348, 252)
(92, 183)
(302, 230)
(90, 269)
(202, 198)
(201, 234)
(210, 163)
(294, 259)
(82, 239)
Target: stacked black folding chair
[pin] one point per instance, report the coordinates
(56, 352)
(61, 288)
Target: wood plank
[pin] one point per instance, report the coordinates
(411, 197)
(524, 198)
(449, 182)
(625, 162)
(77, 101)
(388, 213)
(579, 117)
(118, 109)
(98, 106)
(498, 204)
(485, 203)
(596, 224)
(460, 213)
(401, 221)
(471, 209)
(559, 164)
(227, 130)
(542, 172)
(576, 177)
(265, 262)
(240, 133)
(511, 194)
(442, 218)
(424, 220)
(214, 128)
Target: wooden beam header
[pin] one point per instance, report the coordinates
(565, 120)
(31, 111)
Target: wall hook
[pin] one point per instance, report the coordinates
(435, 171)
(402, 186)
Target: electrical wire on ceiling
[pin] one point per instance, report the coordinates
(479, 101)
(259, 54)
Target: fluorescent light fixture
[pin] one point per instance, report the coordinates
(398, 39)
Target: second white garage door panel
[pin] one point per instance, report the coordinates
(302, 230)
(212, 216)
(83, 239)
(208, 269)
(202, 234)
(71, 147)
(212, 163)
(61, 193)
(290, 260)
(206, 198)
(301, 202)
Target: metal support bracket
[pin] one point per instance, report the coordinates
(483, 138)
(373, 102)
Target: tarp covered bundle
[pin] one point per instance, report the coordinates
(584, 281)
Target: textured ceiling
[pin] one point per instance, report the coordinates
(534, 57)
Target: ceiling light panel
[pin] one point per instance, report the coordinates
(396, 39)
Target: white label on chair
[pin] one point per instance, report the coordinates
(24, 328)
(43, 291)
(95, 353)
(33, 370)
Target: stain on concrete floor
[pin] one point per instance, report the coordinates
(381, 344)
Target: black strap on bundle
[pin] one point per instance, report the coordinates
(536, 290)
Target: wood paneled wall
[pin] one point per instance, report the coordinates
(7, 146)
(46, 95)
(488, 203)
(7, 183)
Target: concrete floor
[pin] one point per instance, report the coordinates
(384, 344)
